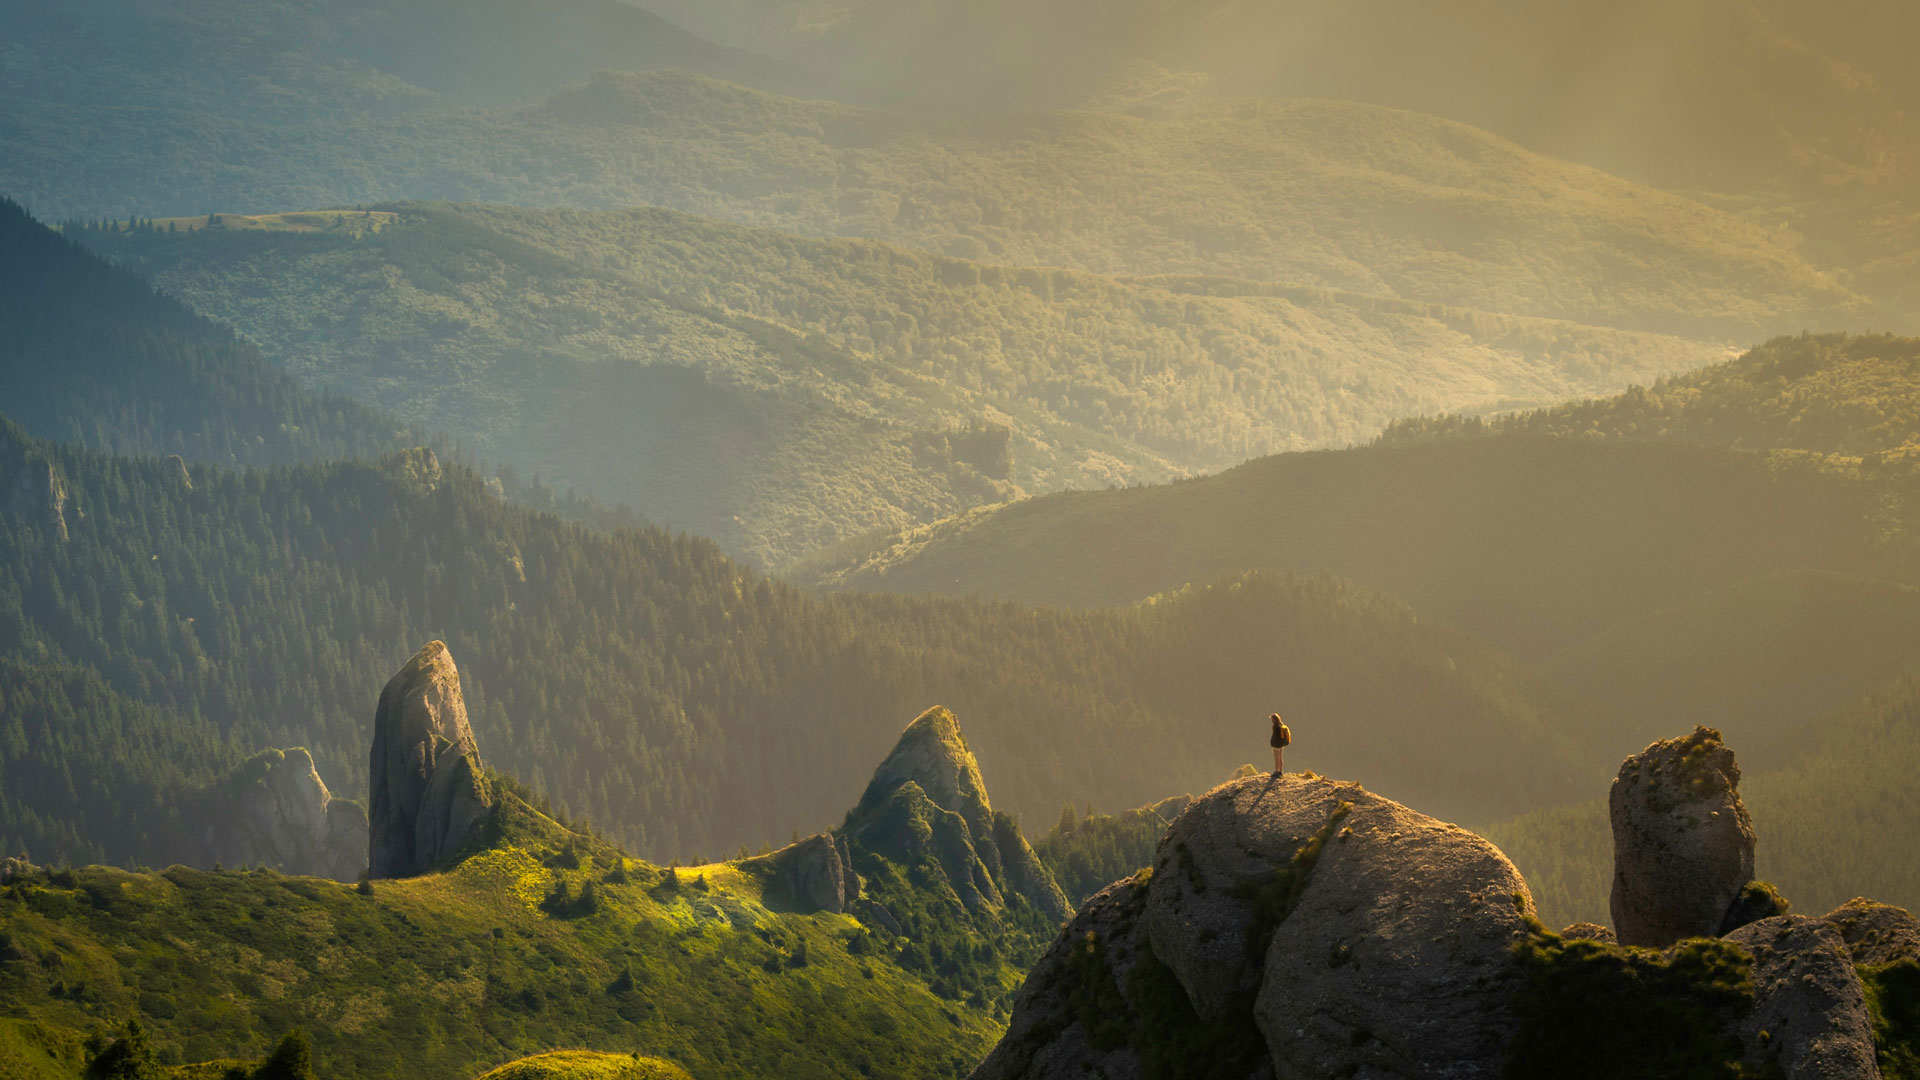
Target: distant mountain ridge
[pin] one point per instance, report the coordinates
(781, 394)
(90, 353)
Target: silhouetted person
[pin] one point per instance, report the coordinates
(1282, 735)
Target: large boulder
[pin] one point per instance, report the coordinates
(1809, 1017)
(813, 873)
(1876, 933)
(1395, 959)
(274, 810)
(426, 788)
(1682, 840)
(1329, 930)
(1058, 1028)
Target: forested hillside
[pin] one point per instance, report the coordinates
(1793, 113)
(779, 394)
(1321, 193)
(1854, 395)
(680, 702)
(1532, 541)
(92, 354)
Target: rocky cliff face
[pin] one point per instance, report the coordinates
(1289, 927)
(815, 874)
(1682, 840)
(276, 811)
(426, 786)
(927, 799)
(1300, 927)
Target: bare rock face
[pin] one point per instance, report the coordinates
(815, 872)
(1047, 1036)
(1682, 840)
(426, 787)
(1397, 955)
(276, 811)
(1809, 1015)
(1876, 933)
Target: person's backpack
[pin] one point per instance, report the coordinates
(1286, 733)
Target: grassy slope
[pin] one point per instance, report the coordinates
(446, 975)
(1835, 820)
(586, 1065)
(778, 394)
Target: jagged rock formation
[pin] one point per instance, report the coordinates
(1313, 928)
(276, 811)
(1682, 840)
(816, 872)
(1809, 1016)
(1300, 927)
(927, 799)
(426, 786)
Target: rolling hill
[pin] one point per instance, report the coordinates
(534, 935)
(781, 394)
(92, 354)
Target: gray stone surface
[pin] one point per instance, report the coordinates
(814, 873)
(1391, 957)
(280, 814)
(1876, 933)
(1809, 1015)
(1044, 1038)
(1682, 840)
(1587, 931)
(426, 786)
(1396, 961)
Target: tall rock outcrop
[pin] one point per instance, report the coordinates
(426, 787)
(1682, 840)
(1312, 928)
(276, 811)
(927, 799)
(815, 873)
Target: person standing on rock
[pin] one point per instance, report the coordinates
(1282, 736)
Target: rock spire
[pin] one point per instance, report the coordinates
(426, 788)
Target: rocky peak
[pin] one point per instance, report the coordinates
(927, 800)
(932, 753)
(1682, 840)
(426, 785)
